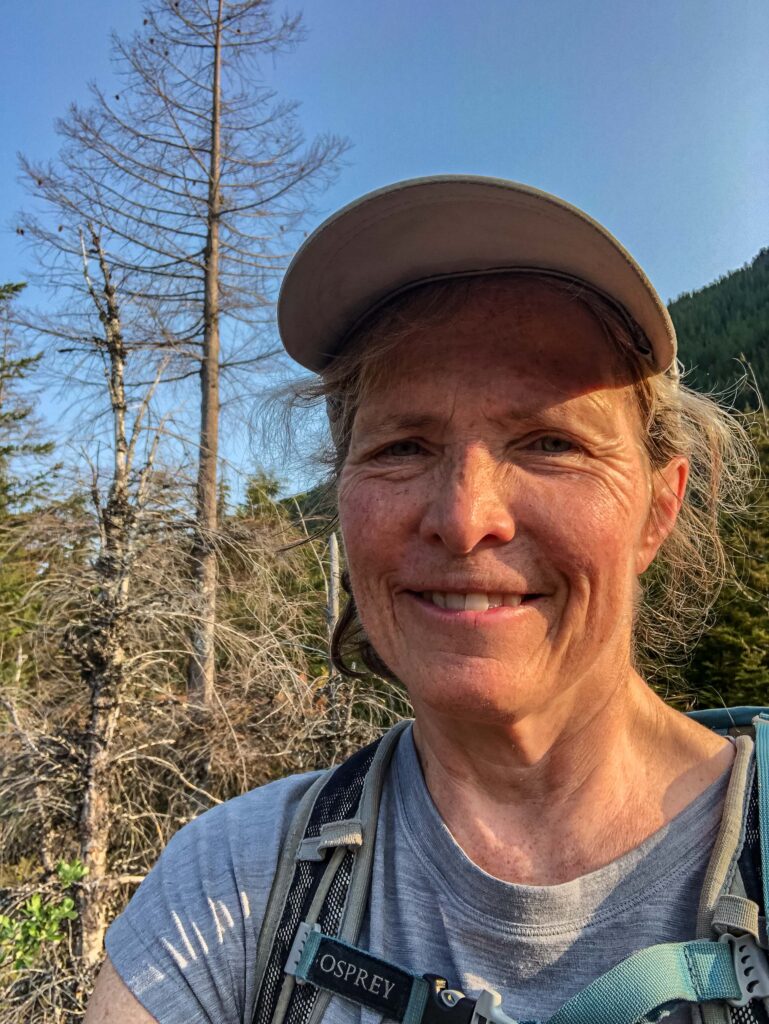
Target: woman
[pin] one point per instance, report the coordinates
(512, 450)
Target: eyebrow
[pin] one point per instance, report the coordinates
(407, 422)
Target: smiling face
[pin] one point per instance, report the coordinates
(496, 506)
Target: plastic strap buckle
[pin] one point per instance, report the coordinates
(488, 1008)
(450, 1006)
(446, 1005)
(750, 966)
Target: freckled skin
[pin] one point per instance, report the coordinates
(475, 497)
(502, 453)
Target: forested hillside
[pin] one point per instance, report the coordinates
(723, 332)
(725, 326)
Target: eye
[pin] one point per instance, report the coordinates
(400, 450)
(550, 444)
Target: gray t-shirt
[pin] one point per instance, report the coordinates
(186, 944)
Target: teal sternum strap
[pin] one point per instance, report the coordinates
(690, 972)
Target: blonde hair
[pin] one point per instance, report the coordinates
(693, 563)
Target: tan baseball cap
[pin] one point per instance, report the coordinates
(426, 229)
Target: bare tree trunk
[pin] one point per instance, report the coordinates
(95, 817)
(99, 644)
(332, 609)
(201, 671)
(332, 614)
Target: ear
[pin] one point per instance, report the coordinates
(668, 489)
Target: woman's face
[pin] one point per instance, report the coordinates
(496, 507)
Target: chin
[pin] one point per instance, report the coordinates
(476, 695)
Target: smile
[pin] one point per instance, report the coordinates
(473, 602)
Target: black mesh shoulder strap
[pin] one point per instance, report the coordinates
(323, 876)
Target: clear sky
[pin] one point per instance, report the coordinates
(653, 116)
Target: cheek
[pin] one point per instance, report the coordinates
(361, 515)
(374, 508)
(373, 530)
(589, 533)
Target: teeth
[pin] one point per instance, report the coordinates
(474, 602)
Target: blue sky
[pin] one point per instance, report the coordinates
(653, 117)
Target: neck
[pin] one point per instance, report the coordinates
(553, 795)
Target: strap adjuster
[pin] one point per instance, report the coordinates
(750, 966)
(446, 1005)
(450, 1006)
(294, 962)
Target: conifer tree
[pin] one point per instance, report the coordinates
(20, 487)
(17, 427)
(730, 664)
(723, 329)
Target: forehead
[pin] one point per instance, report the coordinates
(507, 338)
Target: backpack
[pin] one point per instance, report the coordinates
(306, 950)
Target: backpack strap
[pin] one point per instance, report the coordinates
(698, 972)
(728, 721)
(732, 900)
(316, 909)
(734, 895)
(730, 838)
(323, 876)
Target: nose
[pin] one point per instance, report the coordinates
(470, 506)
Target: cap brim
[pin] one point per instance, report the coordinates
(427, 228)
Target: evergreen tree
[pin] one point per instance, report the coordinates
(730, 664)
(21, 485)
(723, 329)
(17, 427)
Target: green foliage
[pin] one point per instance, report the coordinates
(22, 486)
(16, 424)
(730, 664)
(315, 508)
(724, 328)
(70, 872)
(298, 570)
(39, 921)
(261, 492)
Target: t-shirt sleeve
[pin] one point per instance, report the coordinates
(185, 945)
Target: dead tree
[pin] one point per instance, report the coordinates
(196, 177)
(98, 646)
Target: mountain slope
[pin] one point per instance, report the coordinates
(725, 325)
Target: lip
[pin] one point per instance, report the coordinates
(498, 615)
(467, 587)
